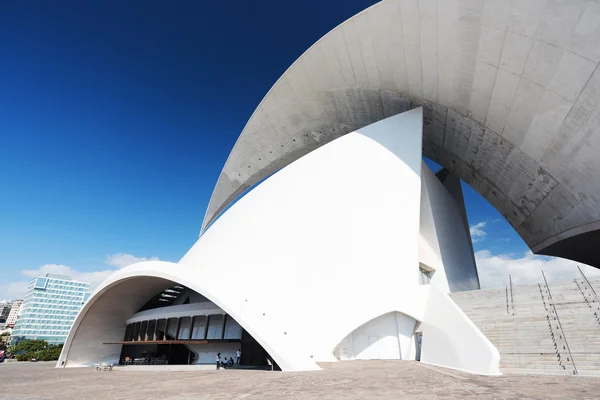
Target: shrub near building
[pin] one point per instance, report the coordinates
(38, 349)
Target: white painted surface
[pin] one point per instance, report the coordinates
(182, 310)
(386, 337)
(406, 327)
(14, 312)
(510, 91)
(350, 223)
(299, 255)
(444, 243)
(450, 339)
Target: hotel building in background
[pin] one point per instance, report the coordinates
(49, 308)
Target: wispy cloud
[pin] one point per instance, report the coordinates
(121, 260)
(526, 269)
(15, 290)
(477, 231)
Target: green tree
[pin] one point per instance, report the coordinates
(30, 346)
(38, 349)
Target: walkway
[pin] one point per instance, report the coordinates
(347, 380)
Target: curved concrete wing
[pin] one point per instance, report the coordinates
(511, 97)
(102, 319)
(314, 251)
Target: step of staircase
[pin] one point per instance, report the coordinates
(539, 324)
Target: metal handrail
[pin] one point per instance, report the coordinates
(512, 297)
(586, 279)
(508, 312)
(559, 324)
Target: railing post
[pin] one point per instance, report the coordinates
(512, 297)
(586, 279)
(559, 324)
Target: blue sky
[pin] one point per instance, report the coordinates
(117, 117)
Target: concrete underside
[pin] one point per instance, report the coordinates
(345, 380)
(511, 97)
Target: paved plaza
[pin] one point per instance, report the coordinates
(349, 380)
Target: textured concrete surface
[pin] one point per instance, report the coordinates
(511, 93)
(348, 380)
(526, 330)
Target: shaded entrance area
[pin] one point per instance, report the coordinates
(181, 327)
(156, 354)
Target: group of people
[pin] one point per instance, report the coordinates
(229, 363)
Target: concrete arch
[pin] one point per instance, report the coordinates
(391, 323)
(102, 319)
(314, 251)
(511, 99)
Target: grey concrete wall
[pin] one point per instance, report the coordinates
(103, 321)
(451, 235)
(511, 96)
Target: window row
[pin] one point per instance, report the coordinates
(75, 305)
(45, 332)
(211, 327)
(39, 317)
(49, 311)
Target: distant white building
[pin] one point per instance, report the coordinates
(5, 306)
(14, 313)
(49, 308)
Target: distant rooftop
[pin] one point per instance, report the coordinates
(56, 276)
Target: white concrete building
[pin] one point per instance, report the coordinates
(346, 253)
(5, 306)
(349, 245)
(14, 313)
(510, 90)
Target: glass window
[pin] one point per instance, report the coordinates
(199, 328)
(143, 331)
(233, 330)
(172, 325)
(161, 327)
(136, 331)
(151, 329)
(215, 327)
(40, 283)
(424, 276)
(185, 328)
(128, 333)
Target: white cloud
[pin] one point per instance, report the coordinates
(16, 290)
(495, 269)
(477, 232)
(13, 290)
(121, 260)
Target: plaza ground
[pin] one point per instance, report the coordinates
(347, 380)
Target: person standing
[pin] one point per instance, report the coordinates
(238, 356)
(218, 361)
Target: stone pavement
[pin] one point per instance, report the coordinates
(347, 380)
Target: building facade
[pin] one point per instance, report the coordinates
(509, 96)
(14, 313)
(323, 261)
(5, 306)
(49, 308)
(344, 246)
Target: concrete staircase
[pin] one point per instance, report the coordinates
(578, 309)
(539, 329)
